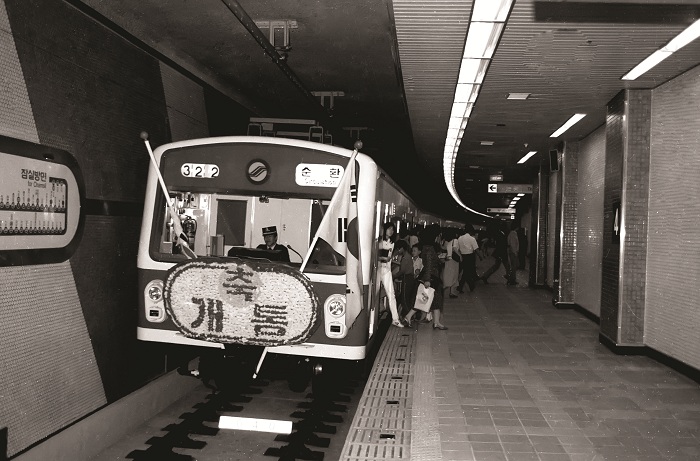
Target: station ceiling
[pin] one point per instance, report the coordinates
(396, 62)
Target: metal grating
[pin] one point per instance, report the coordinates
(381, 428)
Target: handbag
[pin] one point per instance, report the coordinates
(424, 298)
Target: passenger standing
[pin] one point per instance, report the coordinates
(500, 253)
(467, 247)
(404, 277)
(450, 273)
(513, 246)
(386, 248)
(522, 249)
(430, 275)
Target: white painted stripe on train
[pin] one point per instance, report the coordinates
(274, 426)
(307, 349)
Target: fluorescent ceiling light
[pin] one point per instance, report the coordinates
(679, 41)
(518, 96)
(487, 143)
(515, 199)
(491, 10)
(644, 66)
(685, 37)
(527, 156)
(458, 109)
(521, 195)
(466, 92)
(569, 123)
(472, 70)
(482, 39)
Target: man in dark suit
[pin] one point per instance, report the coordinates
(270, 236)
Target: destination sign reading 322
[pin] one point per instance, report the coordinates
(199, 170)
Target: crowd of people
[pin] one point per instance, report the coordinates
(444, 260)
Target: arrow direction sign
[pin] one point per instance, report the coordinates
(510, 188)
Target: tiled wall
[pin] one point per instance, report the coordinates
(589, 230)
(568, 252)
(614, 146)
(538, 241)
(673, 262)
(552, 273)
(635, 201)
(69, 82)
(187, 114)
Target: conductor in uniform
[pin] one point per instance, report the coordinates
(270, 236)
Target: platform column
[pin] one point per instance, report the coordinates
(565, 289)
(628, 129)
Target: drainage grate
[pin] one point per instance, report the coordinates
(381, 426)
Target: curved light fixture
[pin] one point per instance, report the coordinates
(485, 28)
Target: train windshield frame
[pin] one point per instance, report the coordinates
(234, 218)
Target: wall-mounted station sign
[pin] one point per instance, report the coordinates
(496, 177)
(40, 203)
(501, 210)
(510, 188)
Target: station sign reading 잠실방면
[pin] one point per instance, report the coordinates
(318, 175)
(39, 204)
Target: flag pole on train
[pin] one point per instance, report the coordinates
(340, 231)
(180, 236)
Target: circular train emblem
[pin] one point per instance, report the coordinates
(258, 171)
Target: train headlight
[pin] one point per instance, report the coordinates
(334, 308)
(155, 291)
(335, 305)
(154, 306)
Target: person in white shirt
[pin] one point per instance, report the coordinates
(386, 248)
(467, 246)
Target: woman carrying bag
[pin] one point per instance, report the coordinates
(430, 275)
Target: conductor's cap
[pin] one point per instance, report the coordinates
(272, 230)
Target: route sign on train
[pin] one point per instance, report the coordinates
(510, 188)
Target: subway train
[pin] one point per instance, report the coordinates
(223, 291)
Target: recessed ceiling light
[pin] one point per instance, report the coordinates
(487, 143)
(518, 96)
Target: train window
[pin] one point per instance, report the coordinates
(230, 221)
(325, 260)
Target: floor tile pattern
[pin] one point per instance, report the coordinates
(518, 380)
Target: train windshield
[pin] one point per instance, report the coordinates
(232, 225)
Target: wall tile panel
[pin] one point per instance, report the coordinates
(672, 323)
(567, 264)
(614, 147)
(635, 203)
(589, 230)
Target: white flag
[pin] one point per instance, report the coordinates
(339, 229)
